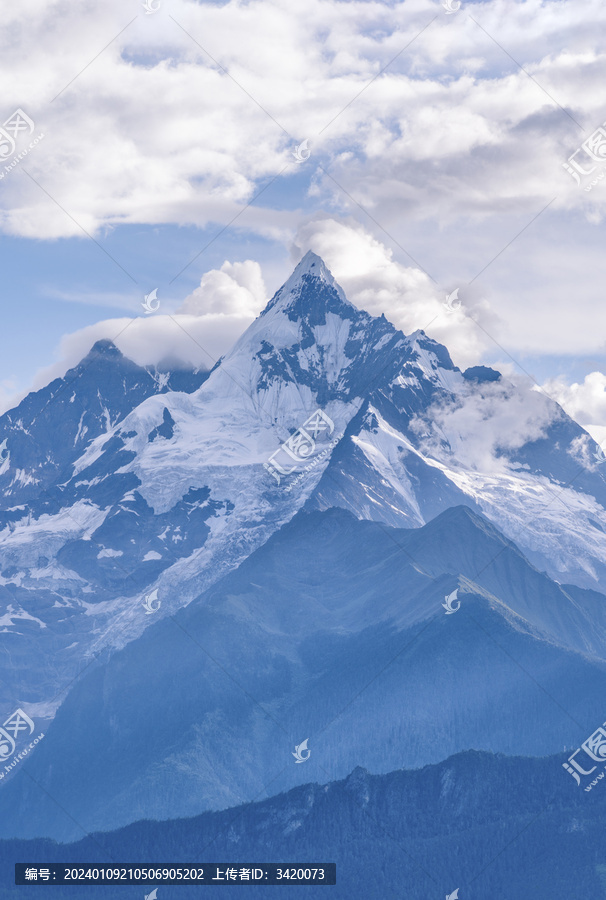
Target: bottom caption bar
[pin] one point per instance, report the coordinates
(166, 873)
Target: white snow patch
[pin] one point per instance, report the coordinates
(11, 614)
(107, 551)
(152, 554)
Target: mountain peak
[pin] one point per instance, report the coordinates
(106, 348)
(312, 264)
(312, 281)
(429, 353)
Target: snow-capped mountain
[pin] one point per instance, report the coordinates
(176, 493)
(124, 484)
(432, 437)
(43, 605)
(50, 429)
(170, 492)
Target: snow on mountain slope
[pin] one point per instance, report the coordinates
(42, 437)
(177, 493)
(44, 625)
(433, 437)
(220, 437)
(171, 492)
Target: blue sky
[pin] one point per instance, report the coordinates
(437, 142)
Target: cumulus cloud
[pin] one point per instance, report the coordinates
(192, 341)
(236, 289)
(448, 145)
(181, 116)
(485, 423)
(584, 401)
(453, 148)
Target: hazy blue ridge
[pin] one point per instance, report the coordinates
(205, 708)
(489, 825)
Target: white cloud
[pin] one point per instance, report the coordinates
(485, 423)
(155, 131)
(236, 289)
(585, 402)
(204, 327)
(374, 281)
(192, 341)
(453, 148)
(584, 451)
